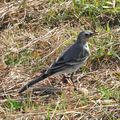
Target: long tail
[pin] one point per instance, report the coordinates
(38, 79)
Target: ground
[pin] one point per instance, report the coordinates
(33, 34)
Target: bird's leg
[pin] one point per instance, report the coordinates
(71, 78)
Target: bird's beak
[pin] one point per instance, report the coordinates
(95, 33)
(91, 34)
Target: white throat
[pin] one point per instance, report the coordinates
(87, 47)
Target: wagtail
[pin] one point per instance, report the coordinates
(69, 61)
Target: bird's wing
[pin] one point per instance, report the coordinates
(72, 56)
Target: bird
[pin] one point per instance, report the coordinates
(69, 61)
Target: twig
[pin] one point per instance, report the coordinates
(36, 40)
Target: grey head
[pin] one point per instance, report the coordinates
(84, 36)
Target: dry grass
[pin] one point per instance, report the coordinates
(32, 34)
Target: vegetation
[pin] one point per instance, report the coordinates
(33, 33)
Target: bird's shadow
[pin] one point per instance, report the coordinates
(47, 91)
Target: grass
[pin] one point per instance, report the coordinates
(108, 93)
(33, 34)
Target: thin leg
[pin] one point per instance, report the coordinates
(71, 78)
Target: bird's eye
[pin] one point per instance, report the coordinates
(86, 34)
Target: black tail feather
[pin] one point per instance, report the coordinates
(40, 78)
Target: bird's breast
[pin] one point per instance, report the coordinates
(86, 47)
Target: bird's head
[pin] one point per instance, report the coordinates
(84, 36)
